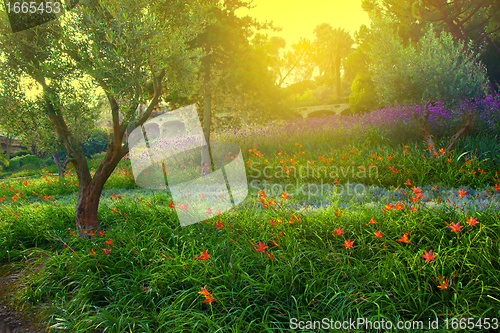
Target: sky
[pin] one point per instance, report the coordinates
(298, 18)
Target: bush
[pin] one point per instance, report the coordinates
(14, 163)
(20, 153)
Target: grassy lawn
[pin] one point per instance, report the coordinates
(277, 262)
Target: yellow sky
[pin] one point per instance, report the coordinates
(298, 18)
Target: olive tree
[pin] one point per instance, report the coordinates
(436, 69)
(122, 45)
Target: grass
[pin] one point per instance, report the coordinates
(152, 276)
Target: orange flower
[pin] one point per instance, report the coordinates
(204, 291)
(106, 251)
(271, 255)
(389, 157)
(461, 193)
(218, 225)
(114, 210)
(348, 243)
(92, 252)
(102, 233)
(171, 204)
(471, 221)
(119, 197)
(208, 299)
(261, 247)
(372, 220)
(274, 243)
(109, 242)
(454, 227)
(408, 182)
(285, 196)
(203, 255)
(404, 238)
(443, 284)
(428, 256)
(91, 233)
(378, 234)
(339, 231)
(72, 233)
(262, 194)
(416, 189)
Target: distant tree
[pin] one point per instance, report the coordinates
(437, 70)
(300, 61)
(333, 45)
(222, 41)
(363, 95)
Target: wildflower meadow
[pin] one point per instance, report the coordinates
(400, 239)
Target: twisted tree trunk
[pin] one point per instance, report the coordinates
(423, 127)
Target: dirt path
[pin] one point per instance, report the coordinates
(12, 319)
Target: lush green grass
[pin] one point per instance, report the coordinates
(150, 280)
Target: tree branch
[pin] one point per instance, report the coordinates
(157, 92)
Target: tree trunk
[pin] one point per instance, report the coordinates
(461, 132)
(206, 164)
(337, 69)
(8, 146)
(57, 160)
(422, 123)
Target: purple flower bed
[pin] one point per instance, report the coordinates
(394, 123)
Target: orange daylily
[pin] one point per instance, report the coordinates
(378, 234)
(204, 291)
(271, 255)
(471, 221)
(106, 251)
(208, 299)
(339, 231)
(443, 284)
(92, 252)
(428, 256)
(203, 255)
(454, 227)
(285, 196)
(348, 243)
(461, 193)
(404, 238)
(109, 242)
(261, 247)
(218, 225)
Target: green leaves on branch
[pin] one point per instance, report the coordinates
(436, 69)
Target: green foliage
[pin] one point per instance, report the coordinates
(437, 69)
(364, 96)
(24, 162)
(20, 153)
(305, 99)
